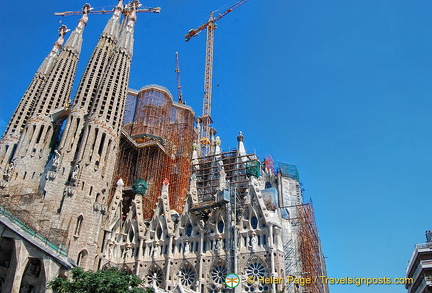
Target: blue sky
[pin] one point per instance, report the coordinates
(340, 88)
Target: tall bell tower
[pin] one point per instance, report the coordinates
(61, 175)
(89, 183)
(26, 106)
(40, 134)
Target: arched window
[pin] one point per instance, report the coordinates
(82, 258)
(189, 230)
(254, 222)
(220, 226)
(159, 232)
(78, 226)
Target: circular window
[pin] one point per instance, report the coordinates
(188, 276)
(255, 270)
(218, 274)
(155, 274)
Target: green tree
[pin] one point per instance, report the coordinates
(111, 280)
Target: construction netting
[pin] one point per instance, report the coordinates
(289, 170)
(156, 144)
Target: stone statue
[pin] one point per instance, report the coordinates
(8, 172)
(75, 172)
(217, 141)
(56, 160)
(128, 252)
(218, 246)
(254, 242)
(186, 249)
(155, 251)
(154, 281)
(110, 249)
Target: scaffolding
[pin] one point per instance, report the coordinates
(29, 212)
(312, 264)
(156, 144)
(237, 168)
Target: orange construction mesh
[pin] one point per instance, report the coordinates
(311, 258)
(269, 163)
(157, 143)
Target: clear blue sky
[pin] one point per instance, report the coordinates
(340, 88)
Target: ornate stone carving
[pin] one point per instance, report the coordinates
(50, 175)
(70, 191)
(56, 161)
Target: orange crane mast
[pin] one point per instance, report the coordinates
(205, 120)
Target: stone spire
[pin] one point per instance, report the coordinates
(100, 141)
(126, 40)
(241, 151)
(87, 89)
(70, 140)
(98, 63)
(40, 134)
(112, 28)
(26, 105)
(74, 43)
(110, 100)
(59, 85)
(48, 63)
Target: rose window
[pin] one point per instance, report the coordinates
(187, 276)
(256, 270)
(218, 274)
(155, 275)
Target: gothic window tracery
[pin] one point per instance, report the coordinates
(254, 222)
(256, 270)
(155, 274)
(187, 275)
(218, 274)
(189, 230)
(159, 232)
(221, 226)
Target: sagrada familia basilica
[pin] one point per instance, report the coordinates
(115, 177)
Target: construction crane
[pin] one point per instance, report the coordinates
(177, 70)
(126, 10)
(205, 120)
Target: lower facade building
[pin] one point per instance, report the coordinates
(420, 267)
(27, 259)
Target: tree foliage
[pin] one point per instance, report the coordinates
(111, 280)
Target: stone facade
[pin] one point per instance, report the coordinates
(234, 228)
